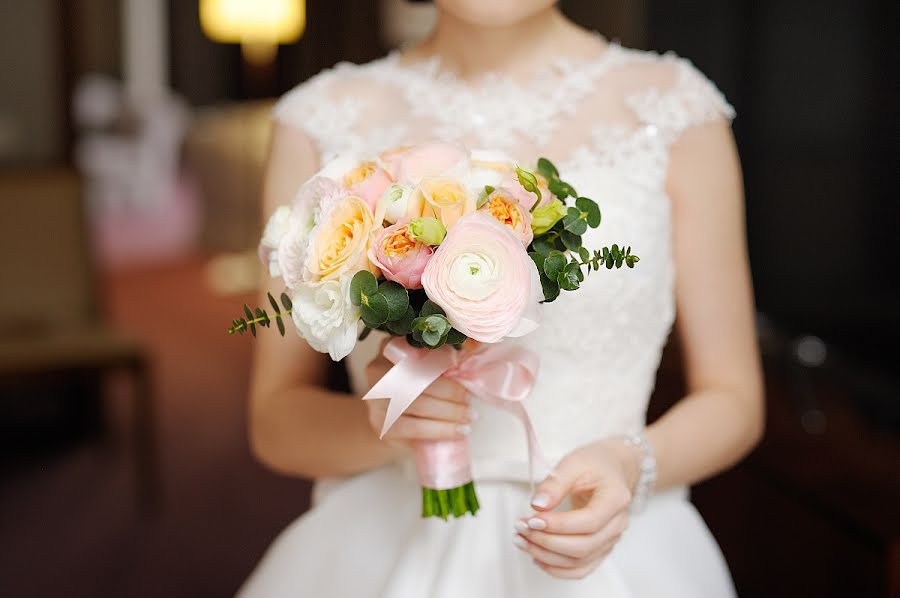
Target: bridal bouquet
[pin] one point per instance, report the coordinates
(450, 251)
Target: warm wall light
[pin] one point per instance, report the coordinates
(258, 25)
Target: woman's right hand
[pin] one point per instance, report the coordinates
(442, 412)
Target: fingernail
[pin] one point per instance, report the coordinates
(535, 523)
(520, 542)
(464, 430)
(540, 500)
(522, 527)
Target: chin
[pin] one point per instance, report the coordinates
(494, 13)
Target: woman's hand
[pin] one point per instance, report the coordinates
(598, 479)
(440, 413)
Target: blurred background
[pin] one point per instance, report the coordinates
(132, 139)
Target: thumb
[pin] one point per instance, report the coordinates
(554, 489)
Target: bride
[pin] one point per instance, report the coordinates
(648, 137)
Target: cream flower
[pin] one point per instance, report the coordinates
(325, 317)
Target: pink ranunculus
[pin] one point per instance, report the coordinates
(367, 181)
(483, 279)
(400, 257)
(431, 159)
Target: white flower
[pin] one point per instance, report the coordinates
(488, 168)
(275, 230)
(392, 204)
(325, 317)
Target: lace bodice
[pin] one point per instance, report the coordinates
(608, 123)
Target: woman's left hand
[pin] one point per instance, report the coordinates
(598, 479)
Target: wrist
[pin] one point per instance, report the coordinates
(628, 457)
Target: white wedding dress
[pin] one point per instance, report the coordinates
(608, 124)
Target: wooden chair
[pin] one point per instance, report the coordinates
(50, 322)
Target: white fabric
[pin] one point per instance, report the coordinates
(608, 124)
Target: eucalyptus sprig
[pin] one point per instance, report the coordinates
(260, 316)
(554, 249)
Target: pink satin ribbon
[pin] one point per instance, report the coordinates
(501, 375)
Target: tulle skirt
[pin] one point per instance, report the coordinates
(364, 538)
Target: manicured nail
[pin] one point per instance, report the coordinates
(464, 430)
(540, 500)
(522, 527)
(535, 523)
(520, 542)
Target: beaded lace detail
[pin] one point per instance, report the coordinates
(608, 123)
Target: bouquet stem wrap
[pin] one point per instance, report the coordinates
(502, 375)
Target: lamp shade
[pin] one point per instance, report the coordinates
(253, 21)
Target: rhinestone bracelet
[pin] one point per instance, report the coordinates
(643, 488)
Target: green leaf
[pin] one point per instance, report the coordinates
(568, 278)
(403, 325)
(432, 338)
(455, 337)
(438, 323)
(397, 299)
(538, 260)
(362, 286)
(584, 254)
(543, 245)
(430, 308)
(488, 189)
(280, 324)
(571, 241)
(550, 288)
(574, 222)
(375, 310)
(248, 312)
(547, 170)
(590, 211)
(561, 189)
(554, 264)
(273, 303)
(366, 331)
(286, 302)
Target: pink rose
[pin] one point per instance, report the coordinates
(367, 181)
(400, 257)
(430, 159)
(506, 209)
(483, 279)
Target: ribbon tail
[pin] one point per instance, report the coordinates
(536, 459)
(404, 382)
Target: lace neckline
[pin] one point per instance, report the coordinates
(433, 69)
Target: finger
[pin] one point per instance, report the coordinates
(555, 487)
(573, 546)
(434, 408)
(562, 573)
(603, 507)
(543, 555)
(449, 390)
(417, 428)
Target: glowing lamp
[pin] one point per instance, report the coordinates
(258, 25)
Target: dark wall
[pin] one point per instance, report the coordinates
(816, 124)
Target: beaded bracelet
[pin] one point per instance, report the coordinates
(646, 481)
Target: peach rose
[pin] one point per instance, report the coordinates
(368, 181)
(339, 241)
(400, 257)
(484, 280)
(442, 198)
(506, 209)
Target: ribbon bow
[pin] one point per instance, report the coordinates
(500, 374)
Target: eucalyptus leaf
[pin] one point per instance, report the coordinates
(397, 299)
(546, 168)
(590, 211)
(574, 223)
(403, 325)
(455, 337)
(286, 302)
(571, 241)
(554, 264)
(550, 288)
(543, 245)
(362, 286)
(584, 254)
(280, 322)
(430, 308)
(273, 303)
(375, 310)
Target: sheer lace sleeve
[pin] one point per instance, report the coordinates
(322, 108)
(692, 100)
